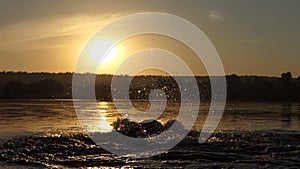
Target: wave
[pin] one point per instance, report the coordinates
(236, 149)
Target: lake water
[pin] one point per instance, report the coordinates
(46, 133)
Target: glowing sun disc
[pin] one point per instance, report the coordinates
(96, 48)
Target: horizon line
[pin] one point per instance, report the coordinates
(108, 74)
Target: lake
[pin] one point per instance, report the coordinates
(47, 133)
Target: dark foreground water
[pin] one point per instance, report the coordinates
(46, 134)
(227, 149)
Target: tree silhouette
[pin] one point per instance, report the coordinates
(15, 89)
(287, 77)
(44, 89)
(287, 86)
(49, 87)
(298, 87)
(234, 86)
(243, 88)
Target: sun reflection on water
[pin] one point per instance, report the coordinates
(103, 126)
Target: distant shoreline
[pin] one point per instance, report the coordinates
(24, 85)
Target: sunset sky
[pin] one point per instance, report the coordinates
(252, 37)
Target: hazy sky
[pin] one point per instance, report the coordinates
(251, 37)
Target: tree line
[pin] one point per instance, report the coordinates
(22, 85)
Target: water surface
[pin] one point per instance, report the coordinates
(47, 133)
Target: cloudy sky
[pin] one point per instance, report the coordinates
(251, 37)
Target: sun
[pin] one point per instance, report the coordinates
(97, 48)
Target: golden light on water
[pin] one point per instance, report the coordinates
(103, 125)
